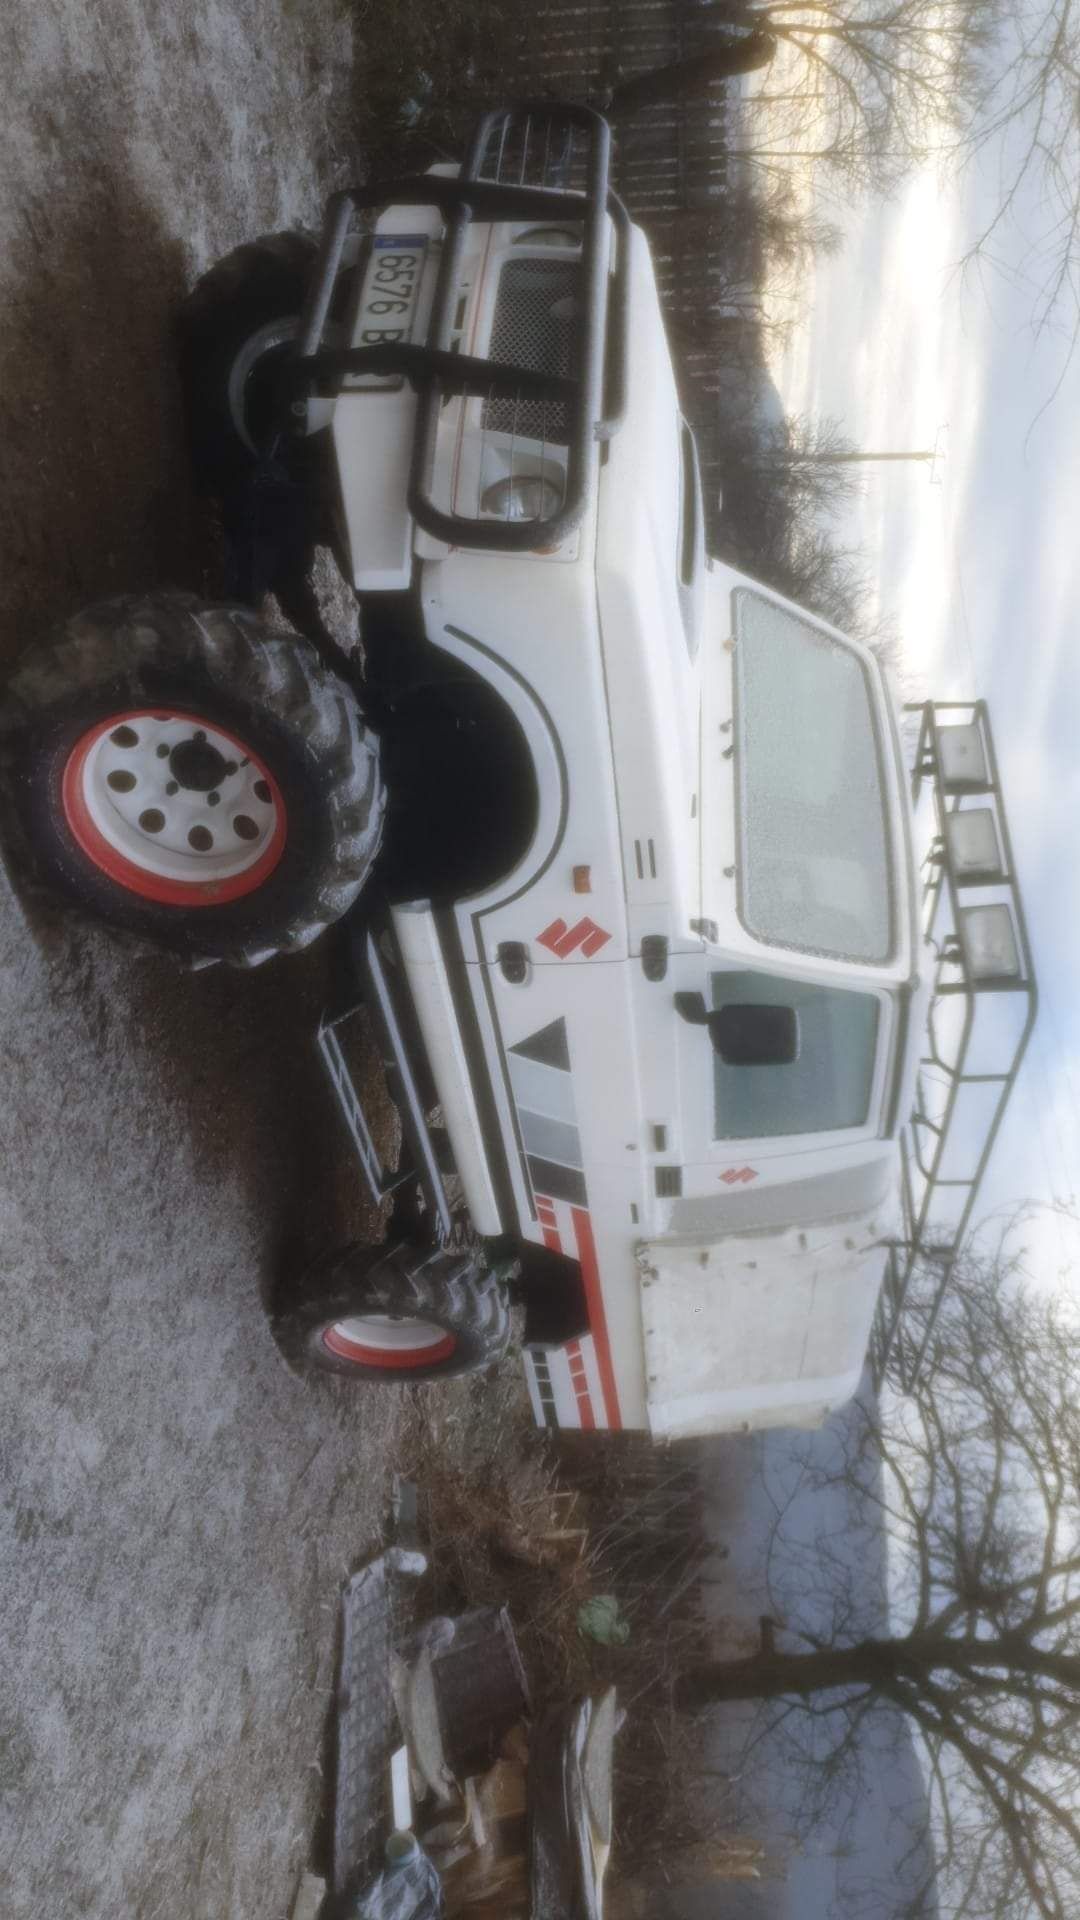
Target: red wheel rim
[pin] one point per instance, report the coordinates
(429, 1348)
(102, 838)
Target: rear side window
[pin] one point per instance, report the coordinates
(826, 1089)
(690, 538)
(691, 509)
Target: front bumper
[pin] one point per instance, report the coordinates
(515, 156)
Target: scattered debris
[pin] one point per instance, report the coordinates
(367, 1731)
(310, 1895)
(408, 1888)
(480, 1687)
(569, 1785)
(514, 1816)
(602, 1621)
(413, 1684)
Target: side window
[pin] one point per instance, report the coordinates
(828, 1087)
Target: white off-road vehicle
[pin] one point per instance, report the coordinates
(642, 945)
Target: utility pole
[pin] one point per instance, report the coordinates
(860, 456)
(836, 459)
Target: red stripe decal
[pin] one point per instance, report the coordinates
(581, 1387)
(549, 1225)
(590, 1273)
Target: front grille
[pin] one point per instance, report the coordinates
(536, 324)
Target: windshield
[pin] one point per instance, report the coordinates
(830, 1083)
(814, 867)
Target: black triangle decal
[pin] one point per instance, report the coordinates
(548, 1046)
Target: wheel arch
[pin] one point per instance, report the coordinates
(556, 1302)
(524, 706)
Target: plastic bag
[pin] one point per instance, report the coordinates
(408, 1888)
(599, 1619)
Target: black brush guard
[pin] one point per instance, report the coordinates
(514, 154)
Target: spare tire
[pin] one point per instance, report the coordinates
(236, 327)
(189, 776)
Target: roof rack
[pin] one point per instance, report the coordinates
(983, 1003)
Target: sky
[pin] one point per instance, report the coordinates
(978, 561)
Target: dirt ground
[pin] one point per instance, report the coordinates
(177, 1509)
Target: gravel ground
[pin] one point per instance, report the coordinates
(177, 1509)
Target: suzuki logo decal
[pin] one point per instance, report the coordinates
(562, 940)
(736, 1176)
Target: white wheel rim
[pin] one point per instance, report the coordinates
(265, 340)
(383, 1339)
(268, 339)
(178, 799)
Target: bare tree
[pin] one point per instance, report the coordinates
(976, 1479)
(782, 487)
(749, 227)
(873, 87)
(791, 477)
(868, 84)
(812, 458)
(1028, 103)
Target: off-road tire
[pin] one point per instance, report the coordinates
(218, 663)
(259, 284)
(446, 1289)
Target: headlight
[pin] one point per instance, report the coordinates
(527, 496)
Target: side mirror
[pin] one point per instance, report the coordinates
(745, 1035)
(755, 1036)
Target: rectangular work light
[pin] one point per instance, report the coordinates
(962, 759)
(974, 847)
(989, 942)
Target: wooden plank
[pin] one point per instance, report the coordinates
(310, 1895)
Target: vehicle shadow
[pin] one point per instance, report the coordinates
(94, 494)
(95, 499)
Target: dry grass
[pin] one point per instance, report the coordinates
(511, 1517)
(498, 1526)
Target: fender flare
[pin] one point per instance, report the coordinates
(541, 735)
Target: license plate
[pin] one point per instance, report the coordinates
(388, 303)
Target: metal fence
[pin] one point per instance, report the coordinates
(673, 165)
